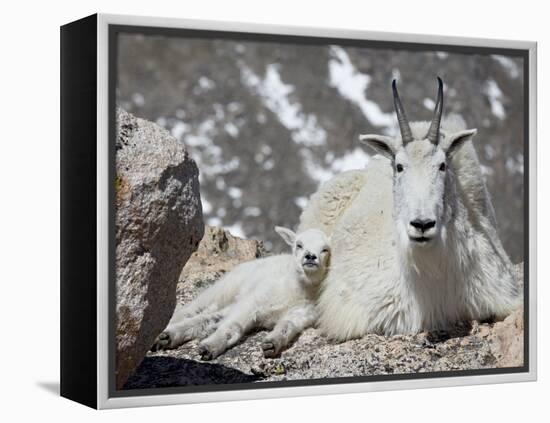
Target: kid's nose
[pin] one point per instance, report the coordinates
(310, 256)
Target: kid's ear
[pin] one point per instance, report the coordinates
(382, 144)
(288, 236)
(452, 143)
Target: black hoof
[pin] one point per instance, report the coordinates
(269, 349)
(205, 353)
(162, 343)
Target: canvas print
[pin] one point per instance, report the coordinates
(296, 210)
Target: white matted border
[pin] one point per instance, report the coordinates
(103, 400)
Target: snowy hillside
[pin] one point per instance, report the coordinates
(267, 123)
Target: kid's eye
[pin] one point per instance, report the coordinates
(299, 246)
(325, 250)
(399, 167)
(442, 167)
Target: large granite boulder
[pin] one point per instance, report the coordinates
(470, 345)
(158, 226)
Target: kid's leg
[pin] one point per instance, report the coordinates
(294, 322)
(195, 327)
(230, 331)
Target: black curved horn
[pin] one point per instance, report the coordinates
(406, 133)
(433, 132)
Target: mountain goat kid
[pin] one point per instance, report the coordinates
(276, 293)
(414, 238)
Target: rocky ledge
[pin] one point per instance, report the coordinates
(470, 345)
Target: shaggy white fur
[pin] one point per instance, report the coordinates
(277, 292)
(381, 280)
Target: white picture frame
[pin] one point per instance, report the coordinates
(100, 395)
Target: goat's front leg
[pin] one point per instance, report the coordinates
(230, 331)
(291, 324)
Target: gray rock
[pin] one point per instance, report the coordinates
(507, 340)
(158, 226)
(469, 345)
(218, 253)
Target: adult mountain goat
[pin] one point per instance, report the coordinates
(414, 239)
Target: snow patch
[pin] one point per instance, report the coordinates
(138, 99)
(494, 93)
(230, 166)
(429, 103)
(231, 129)
(508, 64)
(214, 221)
(301, 202)
(179, 129)
(395, 74)
(199, 140)
(219, 111)
(515, 164)
(275, 95)
(206, 83)
(234, 107)
(353, 85)
(206, 205)
(236, 230)
(313, 168)
(252, 211)
(235, 192)
(490, 152)
(356, 159)
(268, 164)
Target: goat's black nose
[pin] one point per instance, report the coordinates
(423, 224)
(310, 256)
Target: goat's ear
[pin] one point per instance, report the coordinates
(452, 142)
(288, 236)
(382, 144)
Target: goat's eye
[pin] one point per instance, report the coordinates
(299, 246)
(442, 167)
(399, 167)
(325, 251)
